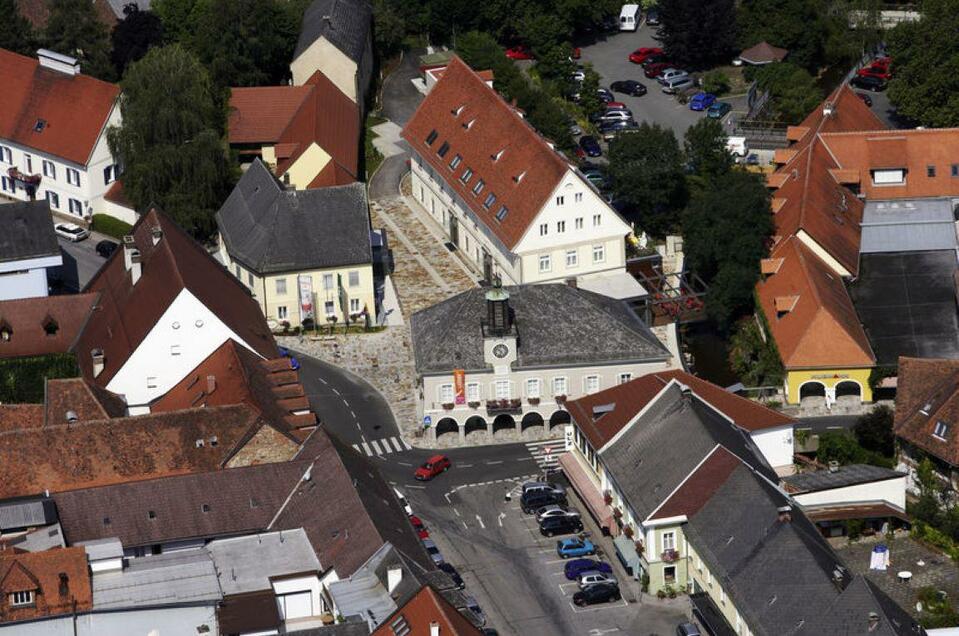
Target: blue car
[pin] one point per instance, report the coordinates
(576, 567)
(294, 363)
(701, 101)
(590, 146)
(718, 110)
(567, 548)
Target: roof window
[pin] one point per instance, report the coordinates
(496, 156)
(204, 508)
(151, 514)
(455, 162)
(501, 214)
(456, 111)
(430, 138)
(6, 331)
(40, 125)
(519, 177)
(479, 186)
(467, 175)
(50, 326)
(445, 148)
(941, 430)
(469, 124)
(490, 200)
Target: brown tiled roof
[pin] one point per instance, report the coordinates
(85, 401)
(26, 317)
(75, 108)
(125, 313)
(58, 578)
(763, 53)
(249, 612)
(821, 329)
(20, 416)
(927, 393)
(479, 125)
(425, 608)
(630, 398)
(234, 375)
(64, 456)
(700, 486)
(293, 117)
(914, 150)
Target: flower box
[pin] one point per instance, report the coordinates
(533, 400)
(607, 497)
(617, 513)
(670, 556)
(628, 531)
(474, 405)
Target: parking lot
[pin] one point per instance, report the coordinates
(516, 575)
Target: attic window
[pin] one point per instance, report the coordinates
(204, 508)
(501, 214)
(941, 430)
(6, 332)
(23, 598)
(467, 175)
(50, 326)
(479, 186)
(106, 521)
(785, 304)
(456, 111)
(469, 124)
(490, 200)
(254, 503)
(214, 441)
(445, 148)
(40, 125)
(430, 138)
(151, 514)
(457, 159)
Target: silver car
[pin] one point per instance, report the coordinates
(678, 84)
(433, 551)
(71, 231)
(555, 511)
(671, 73)
(543, 486)
(592, 577)
(616, 115)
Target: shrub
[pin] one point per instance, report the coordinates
(22, 380)
(716, 82)
(111, 226)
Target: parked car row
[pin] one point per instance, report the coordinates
(875, 76)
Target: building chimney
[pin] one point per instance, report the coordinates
(498, 318)
(64, 584)
(136, 267)
(129, 247)
(157, 233)
(58, 62)
(833, 466)
(210, 384)
(434, 628)
(393, 578)
(572, 282)
(98, 361)
(828, 109)
(785, 514)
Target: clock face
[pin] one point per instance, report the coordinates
(500, 351)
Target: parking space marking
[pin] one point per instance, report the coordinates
(554, 561)
(480, 519)
(597, 608)
(404, 464)
(456, 512)
(335, 391)
(466, 465)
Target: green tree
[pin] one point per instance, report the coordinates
(16, 33)
(706, 154)
(837, 446)
(793, 91)
(874, 431)
(699, 33)
(171, 141)
(177, 17)
(551, 120)
(726, 231)
(480, 50)
(716, 82)
(74, 29)
(133, 36)
(755, 361)
(389, 29)
(588, 89)
(800, 26)
(646, 171)
(925, 87)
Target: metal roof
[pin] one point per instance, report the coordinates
(908, 226)
(25, 513)
(186, 577)
(100, 549)
(845, 476)
(246, 564)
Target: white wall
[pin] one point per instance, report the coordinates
(23, 284)
(776, 445)
(309, 583)
(155, 357)
(891, 490)
(174, 621)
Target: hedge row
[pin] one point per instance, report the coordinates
(106, 224)
(22, 379)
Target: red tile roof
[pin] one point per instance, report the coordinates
(699, 486)
(293, 117)
(630, 398)
(58, 579)
(927, 393)
(116, 195)
(84, 401)
(75, 108)
(479, 126)
(821, 329)
(26, 318)
(425, 608)
(125, 313)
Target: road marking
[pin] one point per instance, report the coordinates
(415, 486)
(345, 402)
(366, 449)
(353, 414)
(500, 519)
(466, 527)
(480, 519)
(525, 459)
(555, 561)
(404, 464)
(335, 391)
(465, 465)
(499, 461)
(396, 444)
(447, 495)
(322, 380)
(456, 512)
(406, 444)
(596, 631)
(376, 447)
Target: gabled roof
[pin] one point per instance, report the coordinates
(697, 489)
(293, 117)
(270, 229)
(74, 107)
(125, 313)
(345, 23)
(628, 399)
(822, 328)
(559, 326)
(425, 608)
(26, 318)
(928, 393)
(27, 231)
(58, 578)
(495, 142)
(84, 401)
(862, 608)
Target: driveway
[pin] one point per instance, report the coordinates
(610, 58)
(80, 262)
(400, 97)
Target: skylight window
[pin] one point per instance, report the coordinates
(501, 214)
(455, 162)
(479, 186)
(445, 148)
(519, 177)
(456, 111)
(490, 200)
(467, 175)
(430, 138)
(40, 125)
(941, 430)
(469, 124)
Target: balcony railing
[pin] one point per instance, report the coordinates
(512, 405)
(670, 556)
(24, 179)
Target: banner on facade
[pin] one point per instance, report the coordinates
(459, 385)
(305, 283)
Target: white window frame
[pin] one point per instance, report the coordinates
(328, 281)
(23, 598)
(543, 229)
(889, 176)
(54, 199)
(49, 169)
(355, 306)
(151, 382)
(578, 197)
(354, 278)
(560, 200)
(473, 391)
(534, 388)
(597, 220)
(445, 393)
(560, 380)
(669, 540)
(560, 226)
(624, 377)
(282, 312)
(6, 155)
(73, 177)
(280, 286)
(545, 263)
(498, 389)
(587, 381)
(572, 258)
(941, 430)
(599, 253)
(329, 308)
(74, 203)
(578, 223)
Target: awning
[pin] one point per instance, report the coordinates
(858, 510)
(627, 555)
(586, 489)
(619, 285)
(709, 615)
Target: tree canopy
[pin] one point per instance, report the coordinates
(699, 33)
(74, 29)
(16, 33)
(874, 431)
(171, 140)
(133, 36)
(797, 25)
(705, 146)
(793, 91)
(646, 171)
(925, 87)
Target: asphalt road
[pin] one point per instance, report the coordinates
(80, 261)
(386, 180)
(828, 422)
(400, 97)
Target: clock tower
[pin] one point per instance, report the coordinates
(499, 331)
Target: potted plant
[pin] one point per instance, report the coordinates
(628, 531)
(640, 548)
(515, 403)
(617, 512)
(533, 400)
(447, 406)
(474, 404)
(607, 497)
(660, 593)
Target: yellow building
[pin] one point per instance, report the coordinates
(306, 255)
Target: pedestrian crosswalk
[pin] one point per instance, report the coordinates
(546, 453)
(383, 446)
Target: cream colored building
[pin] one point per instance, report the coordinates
(305, 254)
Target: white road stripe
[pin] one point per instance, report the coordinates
(357, 448)
(376, 447)
(366, 449)
(406, 445)
(396, 444)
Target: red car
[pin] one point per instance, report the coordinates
(576, 53)
(612, 105)
(421, 530)
(639, 55)
(875, 71)
(882, 62)
(432, 467)
(652, 71)
(519, 52)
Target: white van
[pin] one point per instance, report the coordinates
(736, 146)
(629, 17)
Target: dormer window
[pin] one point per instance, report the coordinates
(455, 162)
(445, 148)
(894, 176)
(519, 177)
(469, 124)
(24, 598)
(501, 214)
(50, 326)
(497, 155)
(941, 430)
(430, 138)
(456, 111)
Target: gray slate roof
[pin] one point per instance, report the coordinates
(850, 614)
(164, 579)
(658, 451)
(845, 476)
(557, 325)
(907, 226)
(39, 540)
(245, 564)
(24, 513)
(345, 23)
(27, 231)
(270, 229)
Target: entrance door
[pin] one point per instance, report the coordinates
(454, 230)
(487, 266)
